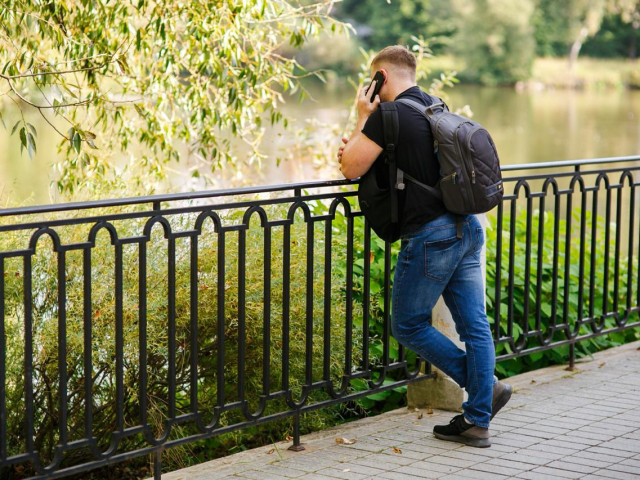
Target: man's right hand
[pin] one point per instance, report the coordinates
(365, 106)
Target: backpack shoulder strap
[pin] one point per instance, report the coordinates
(391, 127)
(435, 102)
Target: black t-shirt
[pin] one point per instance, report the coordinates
(415, 156)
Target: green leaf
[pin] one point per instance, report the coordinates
(33, 129)
(23, 139)
(15, 127)
(31, 145)
(76, 141)
(378, 397)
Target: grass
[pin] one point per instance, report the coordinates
(588, 73)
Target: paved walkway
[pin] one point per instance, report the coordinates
(558, 425)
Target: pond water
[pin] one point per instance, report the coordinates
(528, 127)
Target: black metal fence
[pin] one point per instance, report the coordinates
(564, 255)
(132, 326)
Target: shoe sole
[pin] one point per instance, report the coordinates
(472, 442)
(502, 399)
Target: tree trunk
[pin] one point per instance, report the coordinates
(575, 48)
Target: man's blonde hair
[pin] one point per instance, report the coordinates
(396, 55)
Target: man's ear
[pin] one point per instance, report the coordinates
(385, 74)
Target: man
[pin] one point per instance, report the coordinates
(433, 259)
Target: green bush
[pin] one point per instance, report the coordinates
(104, 316)
(249, 297)
(568, 291)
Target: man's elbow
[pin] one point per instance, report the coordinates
(350, 166)
(348, 173)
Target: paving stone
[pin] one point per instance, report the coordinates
(465, 455)
(419, 454)
(344, 473)
(487, 467)
(527, 458)
(260, 475)
(573, 467)
(564, 422)
(514, 440)
(493, 452)
(405, 475)
(475, 474)
(314, 476)
(383, 460)
(308, 463)
(556, 473)
(283, 472)
(589, 460)
(631, 462)
(512, 464)
(594, 477)
(452, 462)
(425, 444)
(381, 441)
(553, 449)
(570, 441)
(584, 425)
(623, 445)
(635, 435)
(616, 475)
(366, 470)
(607, 453)
(621, 467)
(533, 431)
(551, 455)
(423, 472)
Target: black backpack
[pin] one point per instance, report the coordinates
(470, 177)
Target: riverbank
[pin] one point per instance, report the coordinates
(588, 73)
(555, 73)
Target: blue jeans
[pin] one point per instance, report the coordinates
(433, 261)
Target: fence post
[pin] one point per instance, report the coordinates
(441, 391)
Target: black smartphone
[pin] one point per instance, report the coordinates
(379, 78)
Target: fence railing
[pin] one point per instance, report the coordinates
(566, 246)
(131, 326)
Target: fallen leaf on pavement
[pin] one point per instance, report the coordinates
(396, 450)
(345, 441)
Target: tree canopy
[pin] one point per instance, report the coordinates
(173, 80)
(170, 78)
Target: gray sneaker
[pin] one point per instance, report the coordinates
(501, 395)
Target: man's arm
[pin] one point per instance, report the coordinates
(359, 152)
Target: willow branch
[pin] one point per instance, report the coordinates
(39, 107)
(49, 122)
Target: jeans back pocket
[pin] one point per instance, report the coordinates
(441, 258)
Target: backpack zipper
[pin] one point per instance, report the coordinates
(468, 163)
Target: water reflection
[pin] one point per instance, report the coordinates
(532, 127)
